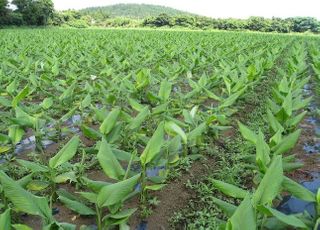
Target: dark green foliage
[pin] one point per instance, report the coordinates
(137, 11)
(28, 12)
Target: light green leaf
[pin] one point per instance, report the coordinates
(229, 189)
(117, 192)
(270, 184)
(25, 201)
(154, 145)
(109, 162)
(110, 121)
(66, 153)
(173, 128)
(244, 217)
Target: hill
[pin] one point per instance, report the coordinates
(137, 11)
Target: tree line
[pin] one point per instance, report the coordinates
(42, 13)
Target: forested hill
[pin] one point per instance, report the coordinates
(133, 11)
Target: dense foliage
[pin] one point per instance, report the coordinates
(27, 12)
(131, 105)
(41, 12)
(138, 11)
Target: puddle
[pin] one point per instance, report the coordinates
(142, 226)
(30, 144)
(151, 173)
(292, 205)
(312, 149)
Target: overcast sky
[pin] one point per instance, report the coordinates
(216, 9)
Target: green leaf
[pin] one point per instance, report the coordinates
(270, 184)
(298, 190)
(229, 189)
(64, 177)
(117, 192)
(90, 132)
(247, 133)
(25, 201)
(66, 153)
(47, 103)
(244, 217)
(262, 152)
(86, 101)
(15, 134)
(76, 206)
(142, 79)
(165, 90)
(287, 143)
(228, 209)
(21, 227)
(32, 166)
(110, 121)
(139, 119)
(155, 187)
(273, 122)
(22, 94)
(197, 132)
(287, 219)
(37, 185)
(294, 121)
(68, 92)
(5, 220)
(287, 104)
(154, 145)
(109, 162)
(173, 128)
(135, 104)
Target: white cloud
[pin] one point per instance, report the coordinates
(216, 9)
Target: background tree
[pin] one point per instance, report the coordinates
(35, 12)
(4, 11)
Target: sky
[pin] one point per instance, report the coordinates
(216, 9)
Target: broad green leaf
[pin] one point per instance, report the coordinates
(165, 90)
(270, 184)
(244, 217)
(21, 227)
(109, 162)
(110, 121)
(86, 101)
(135, 104)
(287, 104)
(5, 220)
(247, 133)
(90, 132)
(173, 128)
(294, 121)
(229, 189)
(273, 122)
(287, 143)
(66, 153)
(76, 206)
(262, 152)
(287, 219)
(15, 134)
(298, 190)
(47, 103)
(117, 192)
(154, 145)
(136, 122)
(37, 185)
(228, 209)
(25, 201)
(155, 187)
(32, 166)
(22, 94)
